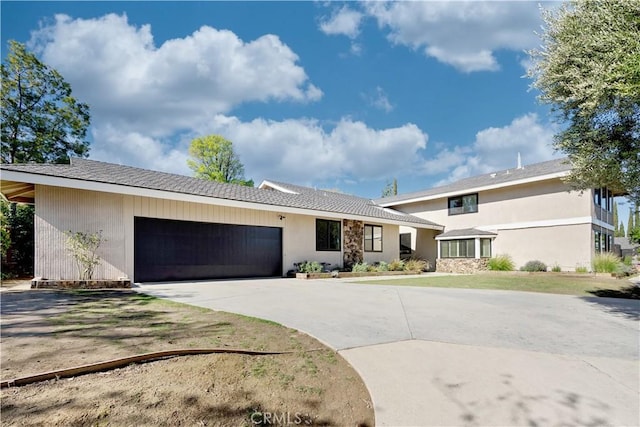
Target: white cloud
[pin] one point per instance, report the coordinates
(379, 100)
(292, 150)
(135, 85)
(344, 21)
(463, 34)
(299, 151)
(496, 148)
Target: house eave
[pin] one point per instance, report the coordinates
(555, 175)
(80, 184)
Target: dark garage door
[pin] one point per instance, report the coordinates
(186, 250)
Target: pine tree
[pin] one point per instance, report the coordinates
(630, 222)
(621, 232)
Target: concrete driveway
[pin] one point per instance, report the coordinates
(456, 356)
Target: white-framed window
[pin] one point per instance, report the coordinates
(463, 204)
(372, 238)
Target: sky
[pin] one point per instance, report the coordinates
(334, 95)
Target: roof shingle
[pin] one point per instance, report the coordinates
(496, 178)
(306, 198)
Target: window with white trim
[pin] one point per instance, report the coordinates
(372, 238)
(463, 204)
(463, 248)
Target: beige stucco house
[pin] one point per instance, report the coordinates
(526, 212)
(161, 226)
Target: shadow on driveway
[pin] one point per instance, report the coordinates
(625, 301)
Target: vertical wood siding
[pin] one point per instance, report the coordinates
(59, 210)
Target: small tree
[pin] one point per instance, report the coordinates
(83, 248)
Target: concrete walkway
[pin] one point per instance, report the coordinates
(441, 357)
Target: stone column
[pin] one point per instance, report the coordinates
(352, 242)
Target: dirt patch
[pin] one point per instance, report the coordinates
(46, 330)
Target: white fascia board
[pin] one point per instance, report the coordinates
(270, 184)
(477, 189)
(80, 184)
(470, 236)
(547, 223)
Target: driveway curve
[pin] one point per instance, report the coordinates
(433, 356)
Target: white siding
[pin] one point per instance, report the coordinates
(59, 210)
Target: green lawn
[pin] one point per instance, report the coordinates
(568, 284)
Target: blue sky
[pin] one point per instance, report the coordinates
(333, 95)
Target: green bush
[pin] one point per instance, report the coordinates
(414, 264)
(310, 267)
(556, 268)
(605, 262)
(627, 260)
(501, 263)
(382, 266)
(581, 269)
(534, 265)
(360, 267)
(396, 265)
(624, 270)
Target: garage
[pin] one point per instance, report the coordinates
(168, 250)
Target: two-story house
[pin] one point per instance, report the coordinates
(526, 212)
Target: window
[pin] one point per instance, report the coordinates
(458, 248)
(372, 238)
(596, 197)
(463, 204)
(405, 244)
(485, 248)
(597, 241)
(327, 235)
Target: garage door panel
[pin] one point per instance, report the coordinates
(186, 250)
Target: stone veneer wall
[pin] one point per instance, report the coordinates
(353, 242)
(461, 265)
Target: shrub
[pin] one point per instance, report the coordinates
(605, 262)
(581, 269)
(624, 270)
(414, 264)
(556, 268)
(84, 247)
(310, 267)
(360, 267)
(627, 260)
(534, 265)
(382, 266)
(501, 263)
(396, 265)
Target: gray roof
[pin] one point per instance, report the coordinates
(501, 177)
(465, 232)
(625, 243)
(306, 198)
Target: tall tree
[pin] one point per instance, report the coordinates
(213, 158)
(621, 232)
(391, 189)
(588, 70)
(630, 222)
(41, 120)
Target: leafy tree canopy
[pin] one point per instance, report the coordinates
(213, 158)
(41, 120)
(588, 69)
(390, 189)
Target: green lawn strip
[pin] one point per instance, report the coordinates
(547, 283)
